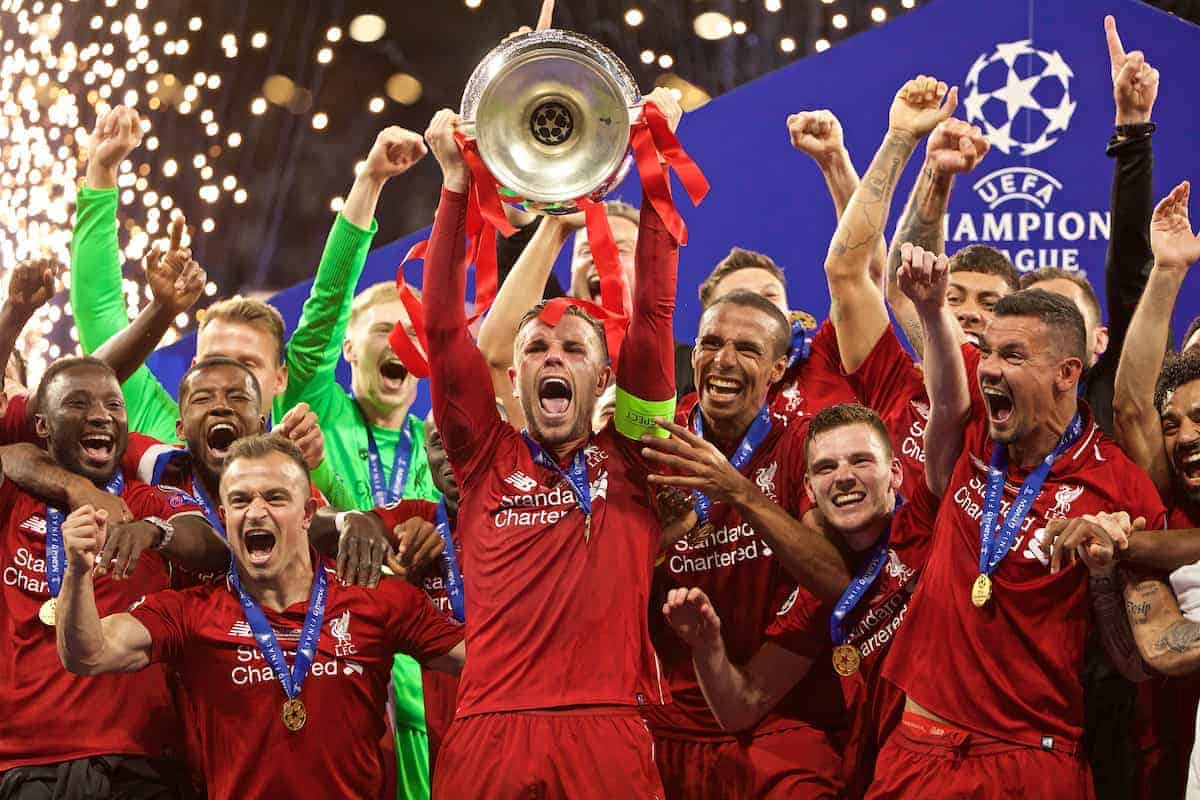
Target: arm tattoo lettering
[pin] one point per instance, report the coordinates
(1139, 613)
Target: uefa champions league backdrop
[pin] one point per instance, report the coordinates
(1033, 74)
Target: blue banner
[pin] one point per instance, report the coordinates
(1034, 75)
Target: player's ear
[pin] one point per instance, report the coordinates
(41, 426)
(808, 489)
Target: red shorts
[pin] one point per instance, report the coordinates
(923, 759)
(798, 763)
(549, 755)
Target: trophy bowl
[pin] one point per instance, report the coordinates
(551, 112)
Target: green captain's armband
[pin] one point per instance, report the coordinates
(634, 416)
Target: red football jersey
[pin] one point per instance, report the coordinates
(46, 713)
(143, 461)
(440, 688)
(875, 706)
(1184, 515)
(747, 585)
(16, 425)
(892, 384)
(237, 700)
(807, 387)
(1011, 670)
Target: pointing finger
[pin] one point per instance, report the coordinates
(1116, 52)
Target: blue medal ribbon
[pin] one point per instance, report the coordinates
(576, 474)
(801, 344)
(264, 636)
(382, 491)
(454, 582)
(741, 457)
(858, 587)
(992, 546)
(197, 496)
(55, 550)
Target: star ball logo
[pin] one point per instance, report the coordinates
(1020, 96)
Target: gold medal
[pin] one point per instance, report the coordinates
(981, 591)
(294, 715)
(846, 660)
(46, 612)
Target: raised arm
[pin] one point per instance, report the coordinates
(315, 346)
(857, 308)
(88, 645)
(646, 381)
(1167, 641)
(175, 282)
(521, 291)
(922, 278)
(31, 286)
(739, 696)
(1136, 420)
(954, 148)
(1128, 257)
(464, 404)
(97, 296)
(818, 134)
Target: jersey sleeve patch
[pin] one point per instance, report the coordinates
(634, 417)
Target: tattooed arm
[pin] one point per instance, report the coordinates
(857, 309)
(1114, 627)
(955, 147)
(1167, 641)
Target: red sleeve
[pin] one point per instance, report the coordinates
(164, 615)
(147, 501)
(802, 625)
(650, 374)
(395, 513)
(16, 426)
(464, 403)
(414, 625)
(140, 455)
(888, 378)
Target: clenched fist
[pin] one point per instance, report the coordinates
(84, 531)
(918, 107)
(667, 104)
(117, 134)
(440, 138)
(955, 147)
(395, 151)
(817, 134)
(32, 285)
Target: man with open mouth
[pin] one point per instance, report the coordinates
(52, 724)
(852, 477)
(559, 522)
(995, 617)
(279, 654)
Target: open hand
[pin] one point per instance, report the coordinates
(696, 464)
(418, 543)
(1174, 244)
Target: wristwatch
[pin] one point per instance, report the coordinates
(165, 528)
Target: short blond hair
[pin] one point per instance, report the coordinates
(377, 294)
(249, 311)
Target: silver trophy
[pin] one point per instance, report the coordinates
(551, 113)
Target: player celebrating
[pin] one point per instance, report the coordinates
(562, 529)
(227, 641)
(52, 723)
(1006, 631)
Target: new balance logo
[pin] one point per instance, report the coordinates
(242, 628)
(35, 524)
(352, 668)
(521, 482)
